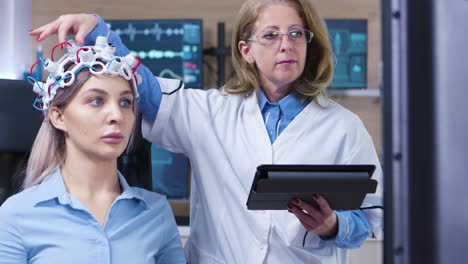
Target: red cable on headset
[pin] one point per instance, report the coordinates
(136, 80)
(78, 51)
(138, 63)
(31, 69)
(61, 46)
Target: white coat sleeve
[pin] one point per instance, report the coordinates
(364, 153)
(183, 115)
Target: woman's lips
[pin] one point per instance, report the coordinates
(113, 138)
(287, 62)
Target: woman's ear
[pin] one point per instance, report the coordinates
(246, 52)
(56, 118)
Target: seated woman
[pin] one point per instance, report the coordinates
(76, 206)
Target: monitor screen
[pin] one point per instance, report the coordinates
(169, 48)
(349, 42)
(170, 173)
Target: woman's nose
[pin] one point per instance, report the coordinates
(115, 113)
(285, 43)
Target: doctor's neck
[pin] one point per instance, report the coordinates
(275, 92)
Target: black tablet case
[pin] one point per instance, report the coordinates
(343, 186)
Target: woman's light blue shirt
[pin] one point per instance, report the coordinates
(46, 224)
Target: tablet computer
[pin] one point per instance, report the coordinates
(343, 186)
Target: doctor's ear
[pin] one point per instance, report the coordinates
(246, 52)
(56, 118)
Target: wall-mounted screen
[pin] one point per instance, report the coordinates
(170, 173)
(169, 48)
(349, 41)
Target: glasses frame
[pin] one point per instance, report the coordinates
(280, 37)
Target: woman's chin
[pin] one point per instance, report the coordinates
(109, 154)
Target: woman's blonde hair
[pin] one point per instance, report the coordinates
(318, 70)
(49, 149)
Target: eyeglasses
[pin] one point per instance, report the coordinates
(270, 37)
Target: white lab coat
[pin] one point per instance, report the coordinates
(225, 139)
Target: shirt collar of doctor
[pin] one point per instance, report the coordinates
(54, 187)
(289, 106)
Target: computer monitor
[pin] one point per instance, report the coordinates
(170, 173)
(169, 48)
(349, 41)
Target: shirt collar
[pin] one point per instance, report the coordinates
(53, 187)
(129, 192)
(289, 106)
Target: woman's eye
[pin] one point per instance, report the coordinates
(271, 35)
(296, 33)
(126, 103)
(97, 101)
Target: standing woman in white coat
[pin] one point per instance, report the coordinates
(275, 111)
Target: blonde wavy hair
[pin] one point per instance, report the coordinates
(318, 70)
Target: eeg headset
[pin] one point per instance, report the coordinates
(98, 59)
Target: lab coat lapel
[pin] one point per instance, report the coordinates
(295, 127)
(258, 140)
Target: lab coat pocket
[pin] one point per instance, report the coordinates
(197, 255)
(304, 239)
(311, 242)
